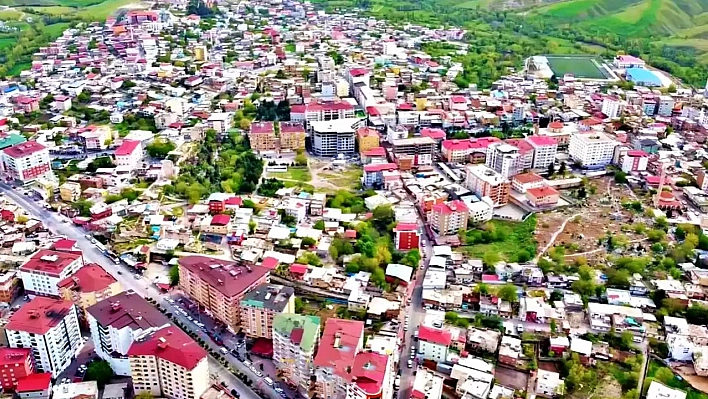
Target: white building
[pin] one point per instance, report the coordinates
(27, 162)
(42, 272)
(334, 137)
(115, 322)
(428, 383)
(129, 154)
(480, 211)
(503, 158)
(433, 343)
(592, 150)
(549, 384)
(666, 106)
(74, 390)
(50, 327)
(220, 121)
(170, 364)
(545, 149)
(658, 390)
(635, 161)
(294, 340)
(612, 107)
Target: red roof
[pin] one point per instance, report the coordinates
(298, 268)
(39, 315)
(90, 278)
(434, 335)
(11, 356)
(458, 99)
(490, 277)
(220, 220)
(379, 167)
(34, 382)
(369, 370)
(64, 244)
(637, 153)
(417, 394)
(525, 178)
(372, 111)
(523, 146)
(127, 147)
(450, 207)
(350, 234)
(406, 227)
(170, 344)
(469, 144)
(228, 277)
(375, 152)
(291, 127)
(50, 262)
(542, 191)
(555, 125)
(24, 149)
(358, 72)
(366, 132)
(542, 140)
(262, 127)
(347, 334)
(238, 201)
(437, 134)
(270, 263)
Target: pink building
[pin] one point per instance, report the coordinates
(129, 154)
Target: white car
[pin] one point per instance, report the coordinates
(410, 364)
(224, 350)
(190, 318)
(170, 300)
(268, 381)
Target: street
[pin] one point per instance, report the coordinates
(141, 286)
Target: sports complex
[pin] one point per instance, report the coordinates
(583, 67)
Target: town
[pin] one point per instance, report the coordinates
(267, 199)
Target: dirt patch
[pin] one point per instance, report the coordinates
(548, 366)
(511, 378)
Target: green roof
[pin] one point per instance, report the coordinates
(287, 322)
(10, 140)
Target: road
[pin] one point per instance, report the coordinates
(141, 286)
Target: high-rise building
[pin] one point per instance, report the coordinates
(50, 329)
(46, 268)
(295, 338)
(503, 158)
(261, 305)
(407, 236)
(292, 136)
(27, 162)
(592, 150)
(448, 218)
(545, 149)
(262, 136)
(612, 107)
(485, 182)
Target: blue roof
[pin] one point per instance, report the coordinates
(641, 75)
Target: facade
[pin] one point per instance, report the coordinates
(368, 139)
(166, 362)
(339, 345)
(292, 136)
(549, 384)
(503, 158)
(433, 343)
(421, 148)
(372, 376)
(525, 181)
(612, 107)
(115, 323)
(27, 162)
(46, 268)
(334, 137)
(485, 182)
(262, 136)
(592, 150)
(407, 236)
(219, 285)
(635, 161)
(543, 196)
(544, 151)
(295, 338)
(448, 218)
(462, 150)
(15, 363)
(374, 173)
(259, 306)
(70, 191)
(89, 285)
(129, 154)
(321, 111)
(9, 286)
(50, 329)
(666, 106)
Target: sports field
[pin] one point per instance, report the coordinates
(580, 67)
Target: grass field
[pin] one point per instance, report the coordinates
(512, 238)
(53, 10)
(691, 393)
(296, 174)
(580, 67)
(10, 14)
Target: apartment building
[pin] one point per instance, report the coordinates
(449, 217)
(545, 149)
(368, 139)
(219, 285)
(339, 345)
(373, 174)
(220, 121)
(635, 161)
(420, 148)
(27, 162)
(525, 159)
(295, 338)
(433, 343)
(321, 111)
(525, 181)
(592, 150)
(9, 286)
(15, 363)
(129, 154)
(372, 376)
(261, 305)
(88, 286)
(666, 106)
(115, 323)
(485, 182)
(292, 136)
(166, 362)
(462, 151)
(262, 136)
(334, 137)
(70, 191)
(503, 158)
(42, 272)
(50, 329)
(612, 107)
(407, 236)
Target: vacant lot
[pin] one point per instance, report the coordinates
(511, 378)
(580, 67)
(512, 241)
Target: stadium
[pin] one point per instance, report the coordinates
(581, 67)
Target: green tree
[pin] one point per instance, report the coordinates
(174, 276)
(308, 241)
(490, 258)
(99, 371)
(508, 292)
(319, 225)
(299, 305)
(144, 395)
(620, 177)
(309, 258)
(160, 148)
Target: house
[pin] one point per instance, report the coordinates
(549, 384)
(433, 343)
(510, 350)
(129, 154)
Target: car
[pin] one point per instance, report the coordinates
(224, 350)
(170, 300)
(26, 298)
(520, 328)
(190, 318)
(410, 364)
(235, 393)
(268, 381)
(278, 390)
(88, 237)
(120, 272)
(247, 363)
(137, 276)
(638, 340)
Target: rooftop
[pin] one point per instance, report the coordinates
(229, 278)
(127, 309)
(11, 356)
(90, 278)
(369, 371)
(268, 296)
(50, 262)
(170, 344)
(302, 330)
(127, 147)
(24, 149)
(39, 315)
(339, 345)
(34, 382)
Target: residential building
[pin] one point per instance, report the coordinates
(89, 285)
(35, 386)
(166, 362)
(544, 151)
(485, 182)
(220, 121)
(292, 136)
(129, 154)
(657, 390)
(634, 161)
(259, 306)
(374, 173)
(543, 196)
(50, 329)
(372, 376)
(407, 236)
(420, 148)
(368, 139)
(295, 338)
(503, 158)
(70, 191)
(76, 390)
(334, 137)
(15, 363)
(339, 345)
(96, 137)
(427, 384)
(449, 217)
(115, 323)
(9, 286)
(262, 136)
(46, 268)
(666, 106)
(549, 384)
(525, 181)
(592, 150)
(612, 107)
(219, 285)
(27, 162)
(321, 111)
(433, 343)
(462, 151)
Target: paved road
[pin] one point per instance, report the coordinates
(141, 286)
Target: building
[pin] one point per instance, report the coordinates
(292, 136)
(657, 390)
(545, 196)
(76, 390)
(295, 338)
(42, 272)
(27, 162)
(503, 158)
(642, 77)
(448, 218)
(70, 191)
(334, 137)
(89, 285)
(220, 121)
(372, 377)
(166, 362)
(129, 154)
(368, 139)
(485, 182)
(549, 384)
(427, 384)
(260, 305)
(433, 343)
(525, 181)
(15, 363)
(544, 151)
(628, 61)
(219, 285)
(592, 150)
(462, 151)
(666, 106)
(35, 386)
(420, 148)
(612, 107)
(407, 236)
(339, 345)
(373, 173)
(318, 111)
(634, 161)
(9, 286)
(262, 136)
(50, 329)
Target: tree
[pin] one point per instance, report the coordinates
(308, 241)
(299, 305)
(561, 169)
(508, 292)
(554, 326)
(551, 169)
(144, 395)
(620, 177)
(309, 258)
(128, 84)
(160, 148)
(301, 158)
(174, 276)
(280, 74)
(490, 258)
(245, 124)
(319, 225)
(99, 371)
